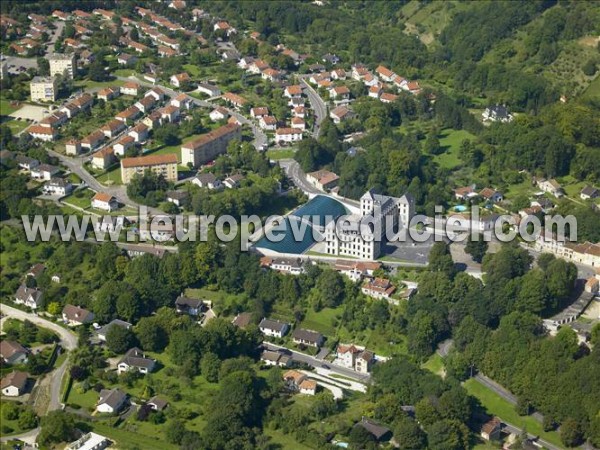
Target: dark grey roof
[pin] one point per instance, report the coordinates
(589, 190)
(23, 159)
(47, 168)
(378, 431)
(112, 397)
(59, 182)
(206, 178)
(121, 323)
(188, 302)
(24, 292)
(274, 325)
(136, 358)
(270, 355)
(242, 320)
(159, 402)
(498, 110)
(307, 335)
(178, 195)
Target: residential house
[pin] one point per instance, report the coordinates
(14, 384)
(90, 441)
(339, 93)
(298, 123)
(182, 101)
(273, 328)
(75, 315)
(145, 104)
(108, 224)
(36, 270)
(257, 113)
(242, 320)
(275, 358)
(307, 337)
(103, 331)
(234, 99)
(490, 431)
(340, 114)
(491, 195)
(169, 114)
(299, 382)
(355, 358)
(111, 401)
(465, 193)
(496, 113)
(103, 159)
(550, 186)
(356, 270)
(322, 179)
(178, 198)
(47, 134)
(93, 140)
(375, 91)
(58, 186)
(152, 120)
(299, 111)
(388, 98)
(73, 147)
(12, 352)
(338, 74)
(26, 163)
(104, 201)
(125, 59)
(271, 75)
(589, 192)
(219, 113)
(180, 79)
(224, 26)
(233, 181)
(44, 172)
(293, 91)
(112, 128)
(268, 123)
(385, 74)
(291, 266)
(165, 165)
(379, 432)
(209, 89)
(207, 180)
(130, 88)
(286, 135)
(157, 403)
(129, 114)
(378, 288)
(109, 93)
(191, 306)
(135, 359)
(123, 144)
(139, 132)
(157, 93)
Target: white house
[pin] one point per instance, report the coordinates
(288, 135)
(497, 113)
(355, 358)
(14, 384)
(207, 180)
(273, 328)
(58, 186)
(44, 172)
(12, 352)
(111, 401)
(209, 89)
(30, 297)
(135, 359)
(104, 201)
(268, 123)
(219, 113)
(75, 315)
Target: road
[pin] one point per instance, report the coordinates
(68, 341)
(317, 104)
(293, 171)
(260, 138)
(319, 363)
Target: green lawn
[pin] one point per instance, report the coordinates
(284, 441)
(6, 108)
(126, 439)
(451, 141)
(81, 199)
(434, 364)
(496, 405)
(9, 427)
(87, 400)
(286, 153)
(113, 176)
(89, 84)
(191, 69)
(322, 321)
(593, 90)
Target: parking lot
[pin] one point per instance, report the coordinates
(30, 112)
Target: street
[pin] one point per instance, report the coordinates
(68, 341)
(319, 363)
(318, 106)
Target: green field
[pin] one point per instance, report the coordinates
(284, 441)
(451, 141)
(593, 90)
(81, 199)
(126, 439)
(322, 321)
(434, 364)
(6, 108)
(496, 405)
(275, 155)
(113, 176)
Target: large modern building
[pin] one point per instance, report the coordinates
(364, 237)
(208, 146)
(43, 89)
(62, 65)
(165, 165)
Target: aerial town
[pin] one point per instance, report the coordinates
(460, 121)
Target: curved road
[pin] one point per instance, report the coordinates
(317, 104)
(68, 340)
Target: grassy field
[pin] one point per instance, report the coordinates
(89, 84)
(113, 176)
(593, 90)
(451, 141)
(286, 153)
(434, 364)
(496, 405)
(126, 439)
(323, 321)
(87, 400)
(6, 108)
(81, 199)
(284, 441)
